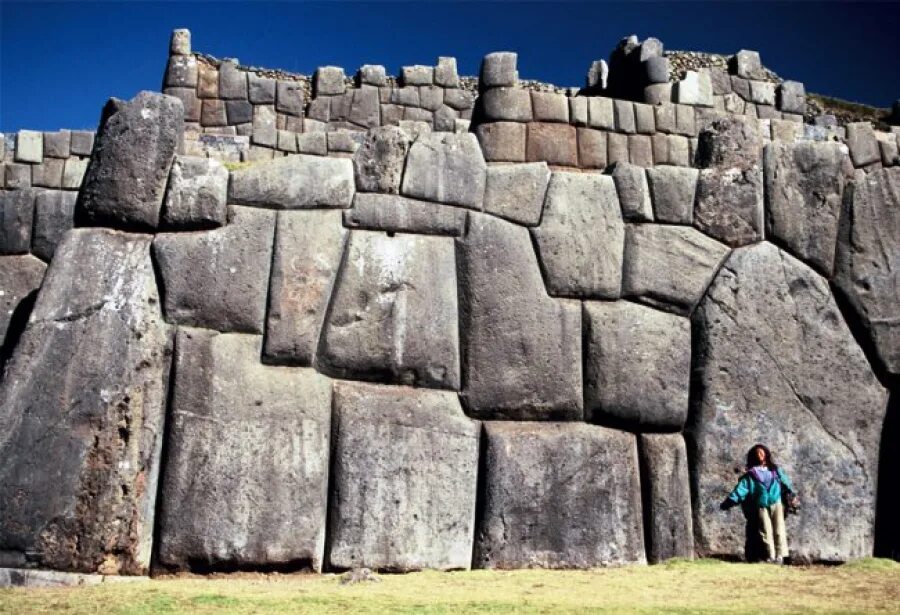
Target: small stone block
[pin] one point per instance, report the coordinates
(549, 107)
(578, 110)
(600, 113)
(502, 141)
(645, 119)
(555, 144)
(372, 74)
(329, 81)
(445, 74)
(417, 75)
(624, 116)
(73, 173)
(617, 148)
(18, 176)
(56, 144)
(592, 148)
(82, 142)
(29, 146)
(260, 90)
(232, 81)
(498, 69)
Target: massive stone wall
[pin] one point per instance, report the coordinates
(545, 341)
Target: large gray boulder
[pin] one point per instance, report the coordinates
(669, 266)
(20, 276)
(393, 313)
(246, 478)
(405, 467)
(522, 349)
(581, 235)
(559, 495)
(732, 141)
(516, 191)
(776, 363)
(378, 163)
(218, 279)
(667, 496)
(729, 204)
(82, 406)
(136, 143)
(804, 189)
(398, 214)
(16, 220)
(197, 193)
(637, 366)
(672, 191)
(308, 249)
(867, 264)
(294, 182)
(447, 168)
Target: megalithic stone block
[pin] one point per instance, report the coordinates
(54, 212)
(522, 348)
(776, 363)
(16, 220)
(83, 404)
(294, 182)
(197, 193)
(218, 279)
(20, 276)
(379, 161)
(393, 313)
(125, 181)
(667, 496)
(246, 478)
(405, 466)
(559, 495)
(446, 168)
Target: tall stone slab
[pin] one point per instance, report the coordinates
(447, 168)
(82, 406)
(393, 313)
(668, 527)
(126, 179)
(405, 467)
(776, 363)
(218, 279)
(804, 190)
(20, 276)
(581, 236)
(246, 478)
(521, 348)
(559, 495)
(308, 249)
(867, 265)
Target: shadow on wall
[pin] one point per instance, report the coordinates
(887, 530)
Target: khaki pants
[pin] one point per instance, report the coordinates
(771, 530)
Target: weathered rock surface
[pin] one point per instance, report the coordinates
(672, 191)
(16, 220)
(637, 366)
(669, 266)
(559, 495)
(522, 349)
(308, 249)
(393, 313)
(389, 212)
(633, 191)
(446, 168)
(867, 264)
(20, 276)
(54, 212)
(804, 187)
(581, 235)
(775, 362)
(516, 191)
(667, 497)
(729, 205)
(378, 163)
(83, 403)
(405, 469)
(197, 193)
(218, 279)
(126, 179)
(730, 142)
(294, 182)
(246, 479)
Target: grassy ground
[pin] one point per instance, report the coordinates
(871, 586)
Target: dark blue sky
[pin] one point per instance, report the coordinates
(59, 62)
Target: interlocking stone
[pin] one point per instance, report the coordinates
(657, 69)
(446, 168)
(431, 97)
(502, 141)
(17, 176)
(640, 150)
(580, 238)
(193, 106)
(445, 119)
(578, 110)
(20, 277)
(507, 104)
(669, 267)
(181, 72)
(56, 144)
(633, 192)
(197, 193)
(645, 119)
(732, 142)
(729, 205)
(218, 279)
(804, 187)
(378, 163)
(685, 120)
(405, 465)
(445, 74)
(397, 214)
(393, 314)
(329, 81)
(83, 402)
(207, 82)
(265, 127)
(762, 93)
(667, 503)
(48, 174)
(498, 69)
(592, 148)
(251, 435)
(417, 75)
(315, 143)
(865, 266)
(81, 143)
(658, 94)
(459, 99)
(624, 116)
(862, 143)
(29, 146)
(775, 363)
(522, 349)
(555, 144)
(746, 64)
(516, 191)
(212, 113)
(364, 108)
(232, 81)
(550, 107)
(672, 191)
(792, 97)
(559, 495)
(637, 366)
(294, 182)
(600, 113)
(16, 217)
(665, 118)
(616, 148)
(694, 89)
(126, 179)
(54, 213)
(260, 90)
(372, 74)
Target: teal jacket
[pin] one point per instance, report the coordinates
(749, 488)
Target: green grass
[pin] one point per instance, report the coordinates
(705, 586)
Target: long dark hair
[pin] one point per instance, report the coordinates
(752, 461)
